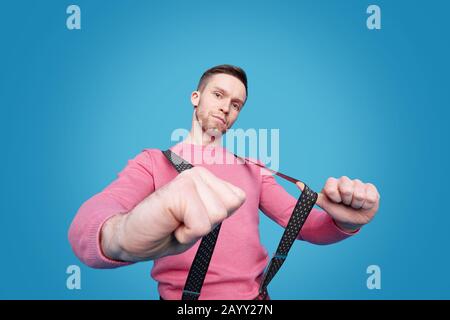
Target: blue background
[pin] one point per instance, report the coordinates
(369, 104)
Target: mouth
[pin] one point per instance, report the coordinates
(220, 119)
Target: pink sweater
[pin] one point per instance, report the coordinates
(239, 258)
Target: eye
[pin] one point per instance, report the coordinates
(236, 106)
(218, 94)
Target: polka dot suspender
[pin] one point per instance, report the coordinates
(199, 267)
(301, 211)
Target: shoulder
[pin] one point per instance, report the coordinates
(154, 157)
(150, 156)
(145, 158)
(150, 152)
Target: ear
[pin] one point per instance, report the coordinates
(195, 98)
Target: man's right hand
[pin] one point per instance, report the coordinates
(173, 218)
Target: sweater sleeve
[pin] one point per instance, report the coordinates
(278, 204)
(133, 184)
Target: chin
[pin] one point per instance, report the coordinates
(214, 131)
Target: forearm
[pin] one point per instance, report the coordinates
(110, 240)
(124, 237)
(320, 228)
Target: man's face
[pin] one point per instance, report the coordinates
(219, 102)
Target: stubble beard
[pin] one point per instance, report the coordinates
(209, 126)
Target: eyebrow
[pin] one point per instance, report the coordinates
(227, 93)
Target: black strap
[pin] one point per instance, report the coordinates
(199, 267)
(301, 212)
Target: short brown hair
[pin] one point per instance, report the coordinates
(227, 69)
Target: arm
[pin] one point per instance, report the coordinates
(278, 205)
(130, 221)
(134, 183)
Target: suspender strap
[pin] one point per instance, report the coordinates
(199, 267)
(301, 211)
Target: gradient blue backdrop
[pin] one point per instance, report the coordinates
(76, 105)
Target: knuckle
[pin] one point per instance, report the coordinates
(198, 169)
(185, 180)
(370, 185)
(219, 215)
(242, 198)
(358, 196)
(195, 171)
(346, 189)
(190, 174)
(232, 203)
(186, 174)
(330, 191)
(241, 195)
(371, 199)
(331, 180)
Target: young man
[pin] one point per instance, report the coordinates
(152, 213)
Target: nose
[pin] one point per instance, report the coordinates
(225, 107)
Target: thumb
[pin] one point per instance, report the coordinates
(321, 198)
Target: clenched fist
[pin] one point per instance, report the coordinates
(173, 218)
(351, 203)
